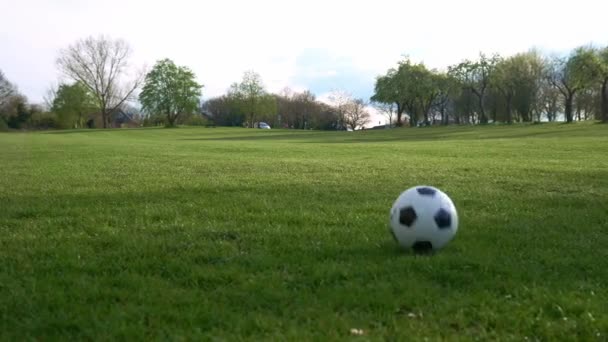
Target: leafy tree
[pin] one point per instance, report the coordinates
(224, 110)
(426, 89)
(529, 71)
(586, 104)
(549, 102)
(325, 118)
(100, 64)
(411, 87)
(571, 75)
(388, 92)
(14, 111)
(22, 115)
(464, 106)
(389, 89)
(505, 81)
(267, 109)
(476, 76)
(7, 95)
(602, 58)
(71, 103)
(7, 89)
(518, 79)
(251, 97)
(170, 90)
(41, 119)
(447, 88)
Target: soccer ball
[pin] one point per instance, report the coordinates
(423, 218)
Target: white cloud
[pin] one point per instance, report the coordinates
(219, 40)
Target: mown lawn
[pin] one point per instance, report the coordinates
(237, 234)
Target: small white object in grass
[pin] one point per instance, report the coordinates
(423, 218)
(356, 331)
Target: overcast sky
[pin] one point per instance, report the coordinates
(316, 45)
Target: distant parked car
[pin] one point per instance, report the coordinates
(263, 125)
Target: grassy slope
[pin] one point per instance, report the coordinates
(237, 233)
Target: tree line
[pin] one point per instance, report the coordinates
(100, 86)
(247, 102)
(525, 87)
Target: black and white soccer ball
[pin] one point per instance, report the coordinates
(423, 218)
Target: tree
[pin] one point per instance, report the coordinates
(414, 89)
(298, 110)
(355, 114)
(392, 88)
(529, 71)
(301, 110)
(464, 106)
(304, 108)
(427, 91)
(252, 98)
(602, 57)
(8, 92)
(15, 111)
(571, 75)
(518, 79)
(586, 104)
(339, 100)
(7, 89)
(71, 103)
(447, 88)
(476, 77)
(50, 95)
(387, 109)
(266, 109)
(40, 118)
(100, 64)
(325, 117)
(504, 80)
(419, 89)
(170, 90)
(549, 101)
(224, 111)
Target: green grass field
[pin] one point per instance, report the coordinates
(237, 234)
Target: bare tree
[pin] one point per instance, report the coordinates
(355, 114)
(340, 99)
(386, 109)
(50, 95)
(100, 64)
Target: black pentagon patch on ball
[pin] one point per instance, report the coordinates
(407, 216)
(426, 191)
(422, 247)
(443, 219)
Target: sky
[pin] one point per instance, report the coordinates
(320, 45)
